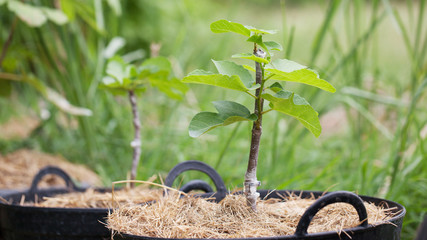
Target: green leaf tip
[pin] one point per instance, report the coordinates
(228, 113)
(222, 26)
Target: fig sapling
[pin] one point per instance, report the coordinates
(238, 77)
(129, 79)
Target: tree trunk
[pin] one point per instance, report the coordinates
(251, 181)
(136, 143)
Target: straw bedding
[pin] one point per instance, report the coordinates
(18, 169)
(191, 217)
(93, 199)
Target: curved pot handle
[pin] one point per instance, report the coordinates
(330, 198)
(199, 166)
(196, 185)
(55, 171)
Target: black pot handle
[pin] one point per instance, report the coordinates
(196, 185)
(55, 171)
(330, 198)
(199, 166)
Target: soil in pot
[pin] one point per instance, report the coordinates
(195, 217)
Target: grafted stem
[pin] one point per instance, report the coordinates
(251, 181)
(136, 143)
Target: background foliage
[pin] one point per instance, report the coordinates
(374, 128)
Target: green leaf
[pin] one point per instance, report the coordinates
(258, 40)
(222, 26)
(233, 69)
(173, 88)
(55, 15)
(33, 16)
(295, 106)
(116, 68)
(2, 2)
(272, 45)
(276, 87)
(249, 68)
(286, 70)
(219, 80)
(228, 113)
(250, 56)
(260, 31)
(156, 65)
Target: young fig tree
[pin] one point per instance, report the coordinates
(128, 79)
(264, 86)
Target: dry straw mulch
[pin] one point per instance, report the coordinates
(191, 217)
(17, 169)
(93, 199)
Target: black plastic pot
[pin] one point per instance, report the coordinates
(27, 222)
(385, 231)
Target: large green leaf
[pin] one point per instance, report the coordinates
(31, 15)
(293, 105)
(286, 70)
(250, 56)
(222, 26)
(228, 113)
(219, 80)
(231, 69)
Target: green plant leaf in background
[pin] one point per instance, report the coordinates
(208, 78)
(250, 56)
(48, 93)
(33, 16)
(286, 70)
(295, 106)
(159, 66)
(228, 113)
(123, 77)
(55, 15)
(222, 26)
(2, 2)
(173, 88)
(36, 16)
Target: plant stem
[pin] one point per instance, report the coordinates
(136, 143)
(251, 181)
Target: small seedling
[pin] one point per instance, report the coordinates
(125, 78)
(238, 77)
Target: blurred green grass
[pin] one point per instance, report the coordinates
(373, 52)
